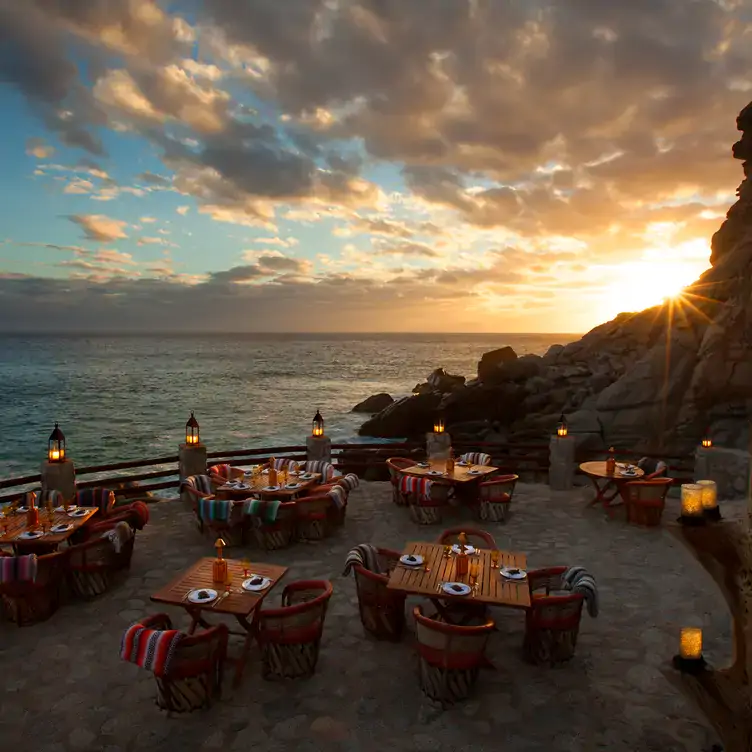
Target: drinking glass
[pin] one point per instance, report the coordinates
(473, 570)
(447, 551)
(495, 557)
(246, 564)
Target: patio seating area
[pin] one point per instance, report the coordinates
(66, 687)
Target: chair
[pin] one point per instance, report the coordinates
(223, 519)
(27, 602)
(476, 538)
(278, 534)
(426, 499)
(193, 488)
(395, 466)
(450, 657)
(313, 517)
(45, 498)
(194, 678)
(552, 622)
(220, 474)
(476, 458)
(652, 468)
(324, 468)
(286, 463)
(123, 553)
(97, 496)
(645, 500)
(93, 564)
(382, 611)
(289, 636)
(495, 498)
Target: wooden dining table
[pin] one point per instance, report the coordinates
(232, 600)
(606, 492)
(15, 524)
(258, 485)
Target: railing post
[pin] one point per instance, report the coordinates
(438, 445)
(191, 460)
(59, 476)
(318, 448)
(561, 463)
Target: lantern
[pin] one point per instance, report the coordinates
(219, 565)
(710, 499)
(56, 445)
(691, 504)
(438, 425)
(562, 430)
(707, 442)
(317, 425)
(690, 658)
(192, 430)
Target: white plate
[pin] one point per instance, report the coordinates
(263, 585)
(462, 463)
(416, 561)
(193, 597)
(451, 588)
(62, 528)
(243, 487)
(293, 485)
(422, 464)
(306, 476)
(30, 535)
(271, 488)
(71, 507)
(22, 510)
(468, 549)
(507, 572)
(77, 513)
(628, 474)
(474, 472)
(435, 472)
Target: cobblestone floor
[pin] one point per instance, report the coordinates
(64, 687)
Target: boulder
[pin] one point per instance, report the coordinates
(405, 418)
(373, 404)
(520, 369)
(490, 361)
(443, 382)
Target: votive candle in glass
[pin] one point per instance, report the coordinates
(691, 501)
(709, 493)
(690, 643)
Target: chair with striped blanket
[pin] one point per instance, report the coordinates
(45, 499)
(188, 669)
(220, 474)
(450, 656)
(290, 636)
(93, 565)
(552, 623)
(324, 468)
(223, 519)
(98, 497)
(495, 498)
(382, 611)
(286, 463)
(476, 458)
(313, 517)
(426, 498)
(194, 488)
(396, 465)
(31, 585)
(272, 532)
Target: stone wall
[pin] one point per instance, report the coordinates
(729, 468)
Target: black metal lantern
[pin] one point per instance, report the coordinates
(707, 442)
(562, 430)
(56, 445)
(317, 428)
(438, 424)
(191, 430)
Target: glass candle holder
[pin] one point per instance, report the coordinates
(690, 660)
(710, 499)
(691, 504)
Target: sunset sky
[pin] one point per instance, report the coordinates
(392, 165)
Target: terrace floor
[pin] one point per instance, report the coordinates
(64, 687)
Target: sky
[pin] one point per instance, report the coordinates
(375, 165)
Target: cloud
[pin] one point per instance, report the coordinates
(99, 227)
(405, 249)
(153, 179)
(183, 210)
(39, 148)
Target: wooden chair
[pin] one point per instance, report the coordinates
(220, 474)
(313, 517)
(27, 603)
(652, 468)
(382, 611)
(450, 657)
(290, 636)
(428, 511)
(93, 564)
(476, 458)
(552, 622)
(98, 496)
(395, 465)
(278, 534)
(645, 500)
(232, 530)
(193, 488)
(476, 538)
(495, 498)
(194, 680)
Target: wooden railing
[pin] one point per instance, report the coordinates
(368, 461)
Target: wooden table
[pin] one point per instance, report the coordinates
(239, 603)
(460, 475)
(258, 483)
(16, 523)
(606, 492)
(493, 589)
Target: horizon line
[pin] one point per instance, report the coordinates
(214, 332)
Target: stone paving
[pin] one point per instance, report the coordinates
(65, 688)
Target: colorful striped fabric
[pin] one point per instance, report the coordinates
(101, 498)
(338, 495)
(152, 649)
(198, 485)
(348, 482)
(265, 509)
(285, 463)
(365, 555)
(18, 568)
(118, 535)
(476, 458)
(222, 472)
(421, 487)
(321, 466)
(45, 498)
(579, 580)
(214, 510)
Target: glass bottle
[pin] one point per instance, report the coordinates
(611, 462)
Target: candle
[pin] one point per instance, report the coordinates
(690, 643)
(691, 500)
(709, 493)
(54, 454)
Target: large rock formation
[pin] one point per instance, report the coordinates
(653, 380)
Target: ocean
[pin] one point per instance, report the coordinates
(127, 397)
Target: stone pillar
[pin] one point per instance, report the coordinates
(59, 476)
(318, 448)
(191, 460)
(561, 463)
(438, 445)
(729, 468)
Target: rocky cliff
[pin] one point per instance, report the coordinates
(656, 380)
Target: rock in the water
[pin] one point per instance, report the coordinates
(373, 404)
(409, 416)
(490, 361)
(441, 381)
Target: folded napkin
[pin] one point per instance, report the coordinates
(152, 649)
(18, 568)
(265, 509)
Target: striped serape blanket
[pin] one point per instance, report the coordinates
(152, 649)
(365, 555)
(214, 510)
(339, 496)
(18, 568)
(578, 580)
(348, 482)
(265, 509)
(476, 458)
(321, 466)
(119, 535)
(420, 487)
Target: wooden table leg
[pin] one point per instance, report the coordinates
(247, 642)
(604, 494)
(196, 619)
